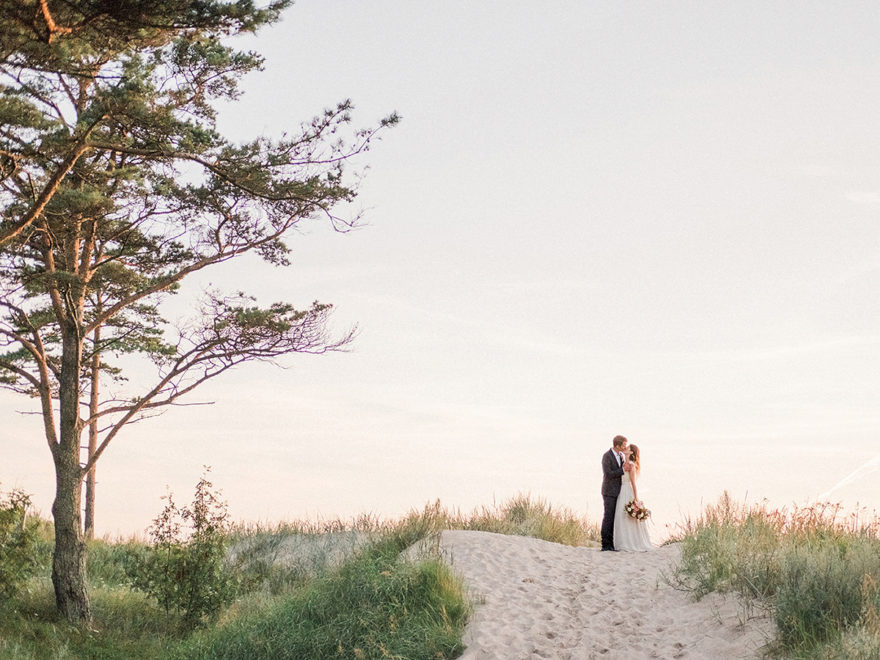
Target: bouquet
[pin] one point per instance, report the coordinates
(636, 509)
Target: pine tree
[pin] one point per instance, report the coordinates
(115, 185)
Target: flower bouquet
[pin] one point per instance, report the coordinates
(636, 509)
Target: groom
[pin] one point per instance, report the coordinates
(613, 467)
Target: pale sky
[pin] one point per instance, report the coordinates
(659, 220)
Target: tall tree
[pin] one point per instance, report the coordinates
(114, 186)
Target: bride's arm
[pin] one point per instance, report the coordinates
(632, 480)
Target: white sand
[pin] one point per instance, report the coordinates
(536, 599)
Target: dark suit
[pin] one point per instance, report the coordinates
(612, 471)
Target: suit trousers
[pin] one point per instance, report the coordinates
(608, 522)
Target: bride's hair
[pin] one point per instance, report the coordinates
(634, 457)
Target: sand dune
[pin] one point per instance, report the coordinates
(536, 599)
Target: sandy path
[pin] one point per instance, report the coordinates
(544, 600)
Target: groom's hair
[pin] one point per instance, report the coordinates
(618, 441)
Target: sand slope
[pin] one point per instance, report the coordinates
(544, 600)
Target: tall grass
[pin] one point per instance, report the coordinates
(521, 515)
(276, 558)
(815, 570)
(374, 606)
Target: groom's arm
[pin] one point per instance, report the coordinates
(610, 467)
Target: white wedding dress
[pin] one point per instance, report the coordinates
(630, 535)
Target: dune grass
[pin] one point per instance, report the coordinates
(374, 606)
(307, 590)
(521, 515)
(815, 571)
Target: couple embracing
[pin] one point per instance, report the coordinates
(624, 525)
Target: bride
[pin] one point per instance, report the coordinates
(630, 534)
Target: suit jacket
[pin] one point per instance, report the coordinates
(612, 471)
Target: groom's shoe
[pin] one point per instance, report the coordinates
(607, 549)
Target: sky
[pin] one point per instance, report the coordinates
(655, 220)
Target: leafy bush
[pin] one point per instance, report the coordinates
(18, 538)
(186, 572)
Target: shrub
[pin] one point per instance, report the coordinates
(186, 573)
(18, 538)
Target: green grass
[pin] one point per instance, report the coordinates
(374, 606)
(815, 571)
(125, 625)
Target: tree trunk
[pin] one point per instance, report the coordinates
(89, 522)
(69, 560)
(93, 436)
